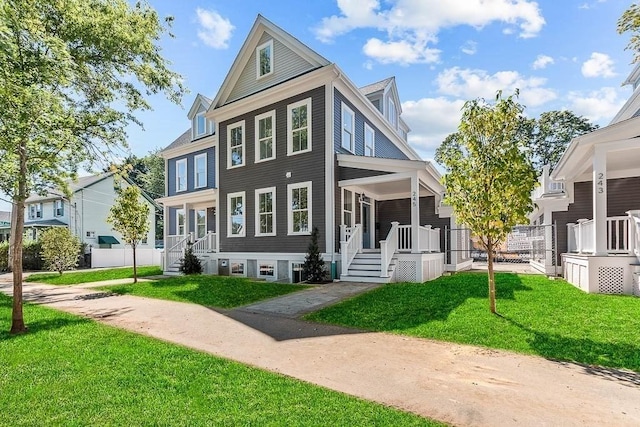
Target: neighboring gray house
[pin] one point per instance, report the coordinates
(289, 143)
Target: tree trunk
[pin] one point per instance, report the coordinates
(492, 280)
(135, 268)
(17, 230)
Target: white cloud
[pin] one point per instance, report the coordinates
(214, 31)
(403, 52)
(598, 106)
(469, 84)
(431, 120)
(409, 21)
(470, 47)
(599, 65)
(542, 61)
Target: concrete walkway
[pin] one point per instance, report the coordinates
(462, 385)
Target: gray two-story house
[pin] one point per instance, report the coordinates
(290, 143)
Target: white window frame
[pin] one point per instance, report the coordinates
(181, 212)
(58, 208)
(369, 147)
(393, 113)
(260, 191)
(268, 44)
(272, 264)
(351, 144)
(196, 181)
(290, 130)
(258, 118)
(244, 214)
(196, 123)
(90, 234)
(186, 185)
(244, 267)
(197, 225)
(230, 127)
(345, 211)
(290, 188)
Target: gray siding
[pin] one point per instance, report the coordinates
(211, 171)
(286, 65)
(354, 173)
(620, 199)
(308, 166)
(383, 145)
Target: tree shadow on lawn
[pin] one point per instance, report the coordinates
(595, 358)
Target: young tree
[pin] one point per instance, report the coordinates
(313, 267)
(60, 249)
(74, 72)
(130, 217)
(489, 177)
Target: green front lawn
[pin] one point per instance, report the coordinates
(76, 277)
(549, 318)
(72, 371)
(211, 291)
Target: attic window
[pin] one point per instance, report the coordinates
(264, 59)
(200, 124)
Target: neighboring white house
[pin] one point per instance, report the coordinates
(84, 212)
(5, 226)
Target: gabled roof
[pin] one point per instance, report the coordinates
(200, 100)
(377, 86)
(183, 139)
(261, 25)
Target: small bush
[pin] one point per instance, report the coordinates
(4, 256)
(60, 249)
(313, 268)
(32, 256)
(190, 264)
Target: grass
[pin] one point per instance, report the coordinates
(549, 318)
(76, 277)
(211, 291)
(72, 371)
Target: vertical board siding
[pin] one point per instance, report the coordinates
(383, 146)
(286, 65)
(211, 171)
(309, 166)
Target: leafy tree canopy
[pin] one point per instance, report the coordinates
(629, 22)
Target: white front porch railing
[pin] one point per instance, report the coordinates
(621, 235)
(205, 244)
(350, 246)
(175, 252)
(429, 238)
(404, 237)
(389, 247)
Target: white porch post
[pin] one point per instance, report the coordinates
(415, 214)
(547, 223)
(600, 200)
(634, 231)
(185, 209)
(165, 221)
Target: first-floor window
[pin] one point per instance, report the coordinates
(265, 211)
(347, 208)
(235, 203)
(201, 223)
(180, 222)
(299, 208)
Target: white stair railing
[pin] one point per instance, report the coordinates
(388, 248)
(205, 244)
(175, 252)
(351, 246)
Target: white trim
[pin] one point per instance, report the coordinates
(201, 196)
(290, 188)
(268, 44)
(258, 192)
(244, 214)
(195, 170)
(373, 141)
(392, 113)
(329, 179)
(305, 102)
(242, 145)
(197, 134)
(344, 211)
(184, 223)
(244, 267)
(352, 142)
(272, 263)
(186, 185)
(195, 228)
(258, 118)
(200, 144)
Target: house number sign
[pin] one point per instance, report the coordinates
(414, 199)
(600, 183)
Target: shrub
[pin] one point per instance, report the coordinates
(313, 268)
(60, 249)
(190, 263)
(4, 256)
(32, 256)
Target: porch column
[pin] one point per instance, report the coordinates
(600, 200)
(165, 222)
(185, 208)
(415, 214)
(547, 223)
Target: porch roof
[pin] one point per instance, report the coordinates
(202, 197)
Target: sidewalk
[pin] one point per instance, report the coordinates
(462, 385)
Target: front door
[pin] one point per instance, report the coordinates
(366, 225)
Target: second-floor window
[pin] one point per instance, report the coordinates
(299, 127)
(348, 125)
(235, 141)
(200, 170)
(181, 175)
(265, 138)
(58, 208)
(35, 210)
(369, 141)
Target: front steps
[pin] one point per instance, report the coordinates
(365, 267)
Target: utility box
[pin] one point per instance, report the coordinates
(223, 267)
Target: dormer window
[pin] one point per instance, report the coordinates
(393, 115)
(264, 59)
(200, 125)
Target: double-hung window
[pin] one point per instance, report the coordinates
(348, 126)
(265, 136)
(299, 127)
(181, 175)
(35, 210)
(200, 123)
(236, 224)
(264, 59)
(299, 208)
(266, 212)
(201, 223)
(369, 141)
(180, 222)
(58, 208)
(200, 170)
(235, 145)
(347, 208)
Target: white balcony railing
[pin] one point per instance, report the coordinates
(351, 246)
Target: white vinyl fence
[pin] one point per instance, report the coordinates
(123, 257)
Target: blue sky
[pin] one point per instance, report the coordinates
(561, 55)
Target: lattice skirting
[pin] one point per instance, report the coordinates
(610, 280)
(406, 271)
